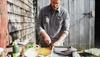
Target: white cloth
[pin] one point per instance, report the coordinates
(75, 54)
(1, 50)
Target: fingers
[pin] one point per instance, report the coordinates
(56, 44)
(47, 41)
(50, 41)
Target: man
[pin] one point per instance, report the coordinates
(53, 24)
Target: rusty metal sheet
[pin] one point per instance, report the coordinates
(3, 24)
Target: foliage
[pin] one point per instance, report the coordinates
(92, 56)
(30, 45)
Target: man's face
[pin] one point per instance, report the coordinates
(55, 4)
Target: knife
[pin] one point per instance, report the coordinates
(50, 46)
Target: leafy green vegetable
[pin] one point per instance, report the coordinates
(92, 56)
(30, 45)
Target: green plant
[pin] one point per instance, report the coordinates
(92, 56)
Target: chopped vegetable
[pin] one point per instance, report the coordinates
(44, 51)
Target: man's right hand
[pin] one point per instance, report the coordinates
(45, 37)
(47, 40)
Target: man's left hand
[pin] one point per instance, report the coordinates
(57, 43)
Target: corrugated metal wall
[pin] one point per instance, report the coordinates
(82, 23)
(21, 19)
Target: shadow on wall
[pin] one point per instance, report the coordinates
(12, 31)
(97, 34)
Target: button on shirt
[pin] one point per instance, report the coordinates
(53, 23)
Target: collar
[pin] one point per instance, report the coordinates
(59, 8)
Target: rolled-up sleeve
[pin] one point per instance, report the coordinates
(66, 22)
(39, 20)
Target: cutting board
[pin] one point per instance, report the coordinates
(57, 52)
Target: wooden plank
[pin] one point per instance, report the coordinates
(92, 25)
(17, 3)
(25, 2)
(92, 33)
(71, 9)
(31, 2)
(11, 1)
(65, 4)
(86, 23)
(3, 24)
(78, 18)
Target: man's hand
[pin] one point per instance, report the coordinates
(45, 37)
(47, 40)
(61, 39)
(57, 43)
